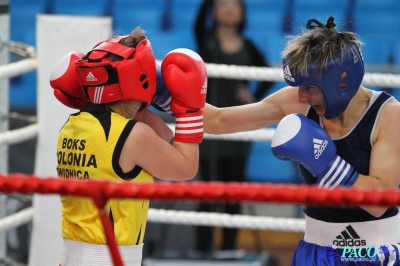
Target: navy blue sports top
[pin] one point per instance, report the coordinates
(355, 147)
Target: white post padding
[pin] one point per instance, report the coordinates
(56, 36)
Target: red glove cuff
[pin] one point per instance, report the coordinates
(189, 127)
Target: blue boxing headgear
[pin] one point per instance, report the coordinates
(336, 97)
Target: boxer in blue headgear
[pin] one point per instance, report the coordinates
(340, 133)
(338, 78)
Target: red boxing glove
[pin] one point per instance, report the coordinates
(65, 82)
(185, 74)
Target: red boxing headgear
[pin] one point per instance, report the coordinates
(131, 78)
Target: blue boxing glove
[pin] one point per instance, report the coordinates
(301, 140)
(162, 100)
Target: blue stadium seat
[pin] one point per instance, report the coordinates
(78, 7)
(266, 15)
(184, 5)
(263, 166)
(183, 14)
(270, 42)
(396, 51)
(23, 29)
(133, 7)
(164, 42)
(145, 19)
(304, 10)
(378, 25)
(22, 92)
(321, 5)
(127, 14)
(264, 21)
(23, 19)
(374, 5)
(268, 6)
(148, 14)
(377, 16)
(377, 48)
(376, 22)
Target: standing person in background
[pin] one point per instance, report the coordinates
(223, 43)
(112, 86)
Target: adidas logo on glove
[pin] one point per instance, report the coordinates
(319, 147)
(204, 88)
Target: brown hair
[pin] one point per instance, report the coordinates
(319, 45)
(135, 37)
(131, 40)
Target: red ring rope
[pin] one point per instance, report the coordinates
(101, 191)
(192, 190)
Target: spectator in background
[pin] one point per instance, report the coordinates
(222, 42)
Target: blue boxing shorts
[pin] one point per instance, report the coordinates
(308, 254)
(360, 243)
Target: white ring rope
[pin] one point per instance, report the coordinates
(16, 219)
(255, 135)
(226, 220)
(381, 80)
(222, 71)
(212, 219)
(29, 132)
(18, 68)
(244, 72)
(276, 74)
(19, 135)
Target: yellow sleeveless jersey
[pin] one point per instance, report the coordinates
(89, 146)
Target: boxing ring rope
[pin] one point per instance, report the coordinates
(276, 74)
(221, 71)
(243, 192)
(211, 191)
(188, 218)
(31, 131)
(18, 68)
(16, 219)
(196, 191)
(19, 135)
(101, 191)
(28, 64)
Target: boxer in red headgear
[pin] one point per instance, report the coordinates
(113, 71)
(110, 72)
(116, 137)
